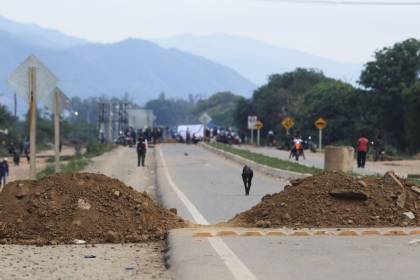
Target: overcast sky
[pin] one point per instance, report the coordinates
(342, 32)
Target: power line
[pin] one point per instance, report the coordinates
(338, 2)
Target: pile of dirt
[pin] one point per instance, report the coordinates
(337, 200)
(69, 208)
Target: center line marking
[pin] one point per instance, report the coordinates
(230, 259)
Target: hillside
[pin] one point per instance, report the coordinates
(257, 60)
(39, 36)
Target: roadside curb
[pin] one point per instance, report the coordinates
(209, 232)
(274, 172)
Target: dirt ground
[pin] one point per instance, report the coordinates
(332, 199)
(128, 261)
(21, 172)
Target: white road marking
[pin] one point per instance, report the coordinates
(230, 259)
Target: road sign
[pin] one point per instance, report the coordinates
(321, 123)
(45, 81)
(259, 125)
(33, 82)
(205, 119)
(62, 101)
(288, 123)
(252, 121)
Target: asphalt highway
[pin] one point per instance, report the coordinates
(207, 189)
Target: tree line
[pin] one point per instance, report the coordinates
(384, 105)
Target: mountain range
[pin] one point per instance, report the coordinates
(139, 67)
(179, 66)
(257, 60)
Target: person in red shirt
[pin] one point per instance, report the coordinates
(362, 149)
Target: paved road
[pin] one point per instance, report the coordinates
(402, 167)
(212, 183)
(207, 189)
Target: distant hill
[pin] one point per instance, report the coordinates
(141, 68)
(257, 60)
(39, 36)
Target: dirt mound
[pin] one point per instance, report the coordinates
(82, 206)
(337, 200)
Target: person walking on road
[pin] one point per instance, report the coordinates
(362, 149)
(4, 172)
(141, 151)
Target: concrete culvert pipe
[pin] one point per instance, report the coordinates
(339, 158)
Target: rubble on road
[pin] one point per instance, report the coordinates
(85, 207)
(333, 199)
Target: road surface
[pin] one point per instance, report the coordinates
(206, 189)
(401, 167)
(211, 182)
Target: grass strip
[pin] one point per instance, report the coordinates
(77, 162)
(267, 160)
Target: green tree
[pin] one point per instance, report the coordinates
(221, 107)
(412, 117)
(394, 70)
(282, 96)
(172, 112)
(340, 104)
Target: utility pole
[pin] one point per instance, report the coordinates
(15, 103)
(56, 131)
(32, 121)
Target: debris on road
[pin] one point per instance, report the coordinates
(78, 208)
(333, 199)
(414, 242)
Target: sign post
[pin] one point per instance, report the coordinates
(320, 124)
(32, 81)
(252, 122)
(56, 102)
(32, 121)
(258, 126)
(287, 123)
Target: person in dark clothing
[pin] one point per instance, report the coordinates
(4, 172)
(188, 136)
(362, 149)
(16, 158)
(247, 175)
(27, 154)
(141, 151)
